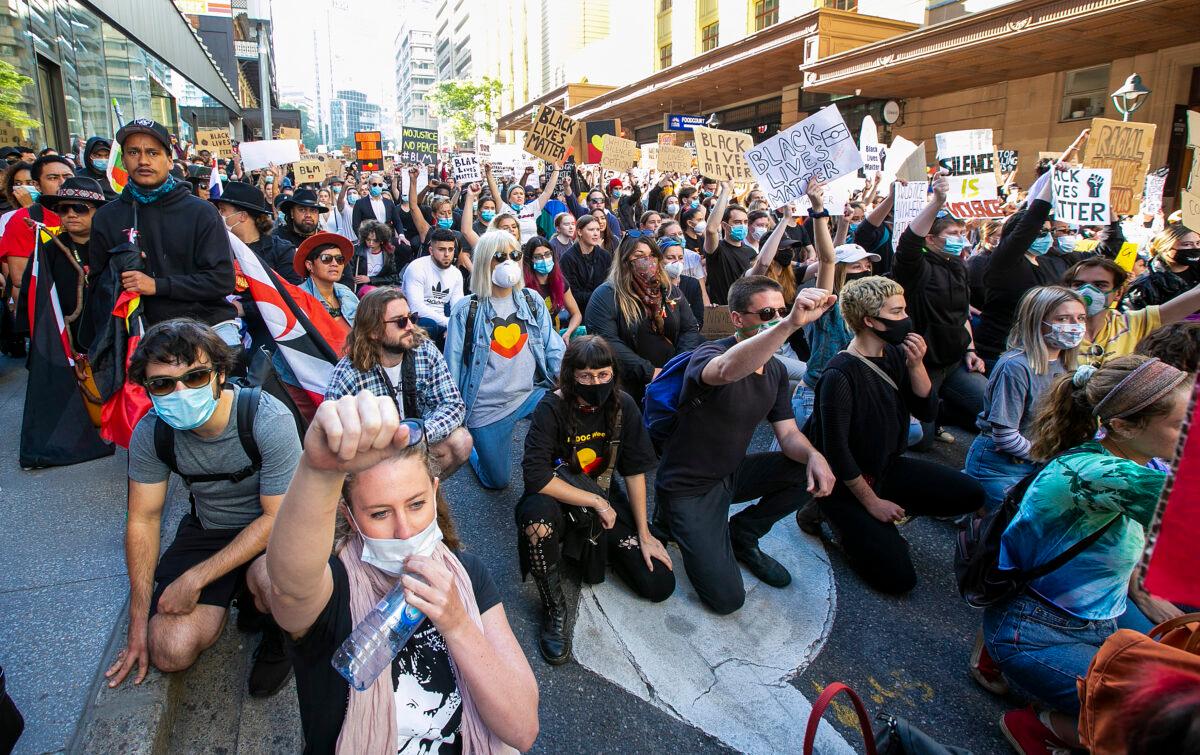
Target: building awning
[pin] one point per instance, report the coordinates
(1013, 41)
(561, 98)
(762, 63)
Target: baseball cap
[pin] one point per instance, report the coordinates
(145, 126)
(847, 253)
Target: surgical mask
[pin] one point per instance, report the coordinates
(853, 227)
(445, 222)
(674, 269)
(100, 165)
(1064, 335)
(187, 408)
(1094, 299)
(1067, 244)
(389, 554)
(279, 216)
(672, 208)
(596, 394)
(543, 267)
(754, 330)
(894, 331)
(34, 194)
(954, 245)
(1040, 245)
(706, 193)
(506, 274)
(376, 191)
(336, 189)
(695, 203)
(487, 215)
(759, 232)
(235, 225)
(516, 206)
(352, 196)
(737, 232)
(699, 226)
(616, 193)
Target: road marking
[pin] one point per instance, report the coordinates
(726, 675)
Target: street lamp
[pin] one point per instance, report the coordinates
(1130, 97)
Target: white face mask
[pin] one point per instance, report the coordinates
(1067, 243)
(506, 274)
(674, 269)
(388, 554)
(700, 226)
(759, 232)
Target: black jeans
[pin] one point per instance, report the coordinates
(960, 399)
(701, 525)
(875, 549)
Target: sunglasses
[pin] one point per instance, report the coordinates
(404, 321)
(514, 256)
(377, 184)
(768, 313)
(162, 386)
(78, 209)
(638, 234)
(416, 430)
(332, 259)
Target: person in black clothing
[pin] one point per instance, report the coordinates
(247, 216)
(644, 318)
(692, 220)
(629, 201)
(989, 239)
(585, 264)
(376, 261)
(95, 164)
(729, 387)
(301, 216)
(672, 255)
(1174, 268)
(188, 262)
(376, 206)
(572, 506)
(864, 399)
(727, 256)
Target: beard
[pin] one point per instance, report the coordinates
(305, 228)
(399, 347)
(443, 265)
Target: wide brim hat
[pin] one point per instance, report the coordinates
(316, 241)
(75, 189)
(243, 196)
(303, 198)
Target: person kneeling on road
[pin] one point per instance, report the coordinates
(572, 507)
(730, 386)
(388, 355)
(236, 449)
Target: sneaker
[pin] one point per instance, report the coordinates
(767, 569)
(985, 671)
(1028, 735)
(271, 666)
(942, 435)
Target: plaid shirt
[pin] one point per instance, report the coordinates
(438, 399)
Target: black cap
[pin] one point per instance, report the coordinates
(145, 126)
(301, 198)
(6, 151)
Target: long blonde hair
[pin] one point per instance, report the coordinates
(1164, 243)
(630, 306)
(488, 246)
(1026, 334)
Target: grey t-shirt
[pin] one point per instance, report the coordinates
(224, 504)
(1012, 392)
(511, 368)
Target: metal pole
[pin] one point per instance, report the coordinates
(264, 81)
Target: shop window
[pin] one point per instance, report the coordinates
(664, 56)
(50, 93)
(708, 37)
(1085, 92)
(766, 13)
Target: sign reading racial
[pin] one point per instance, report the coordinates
(672, 159)
(969, 157)
(551, 134)
(418, 145)
(466, 168)
(1082, 195)
(911, 198)
(819, 147)
(368, 146)
(308, 171)
(216, 141)
(721, 154)
(618, 153)
(1124, 148)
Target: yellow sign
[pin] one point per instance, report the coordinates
(308, 171)
(551, 134)
(11, 135)
(618, 153)
(1125, 148)
(287, 132)
(216, 141)
(1125, 258)
(667, 138)
(722, 154)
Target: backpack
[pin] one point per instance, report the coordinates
(660, 404)
(469, 329)
(408, 386)
(247, 407)
(981, 581)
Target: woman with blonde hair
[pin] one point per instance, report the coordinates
(1174, 268)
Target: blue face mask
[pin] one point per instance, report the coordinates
(186, 409)
(336, 188)
(100, 165)
(376, 191)
(695, 203)
(616, 193)
(487, 215)
(34, 194)
(954, 245)
(543, 267)
(706, 194)
(445, 222)
(516, 206)
(1040, 245)
(737, 232)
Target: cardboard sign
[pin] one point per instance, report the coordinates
(465, 167)
(418, 145)
(969, 157)
(216, 141)
(1193, 145)
(722, 154)
(308, 171)
(1189, 202)
(1123, 148)
(648, 156)
(672, 159)
(12, 136)
(911, 198)
(870, 148)
(1152, 194)
(819, 147)
(591, 139)
(332, 166)
(368, 145)
(666, 138)
(348, 154)
(1174, 560)
(551, 134)
(836, 195)
(259, 155)
(1082, 196)
(618, 154)
(565, 176)
(287, 132)
(905, 161)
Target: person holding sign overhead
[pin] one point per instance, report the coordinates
(726, 254)
(527, 212)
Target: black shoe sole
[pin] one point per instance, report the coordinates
(553, 661)
(260, 694)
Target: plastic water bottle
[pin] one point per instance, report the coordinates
(377, 639)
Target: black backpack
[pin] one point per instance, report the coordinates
(246, 408)
(408, 386)
(981, 581)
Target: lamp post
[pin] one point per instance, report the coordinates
(1130, 96)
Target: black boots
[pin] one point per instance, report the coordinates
(11, 722)
(553, 640)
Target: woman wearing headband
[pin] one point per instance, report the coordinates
(1043, 639)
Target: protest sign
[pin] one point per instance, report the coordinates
(215, 140)
(618, 154)
(259, 155)
(648, 156)
(836, 195)
(368, 145)
(1126, 255)
(551, 134)
(1082, 195)
(348, 154)
(672, 159)
(465, 167)
(819, 147)
(418, 145)
(308, 171)
(11, 135)
(905, 161)
(287, 132)
(506, 154)
(910, 199)
(1006, 161)
(1193, 145)
(1124, 148)
(332, 166)
(976, 209)
(968, 157)
(590, 144)
(666, 138)
(1152, 194)
(1174, 560)
(870, 148)
(565, 176)
(721, 154)
(1189, 202)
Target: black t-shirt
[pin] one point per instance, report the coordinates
(421, 672)
(711, 439)
(724, 266)
(547, 446)
(696, 244)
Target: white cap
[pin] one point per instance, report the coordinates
(853, 253)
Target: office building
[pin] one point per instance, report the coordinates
(416, 64)
(349, 111)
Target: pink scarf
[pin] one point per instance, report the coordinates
(370, 723)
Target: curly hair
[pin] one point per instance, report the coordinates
(1177, 344)
(180, 341)
(864, 298)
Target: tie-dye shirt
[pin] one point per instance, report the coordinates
(1075, 495)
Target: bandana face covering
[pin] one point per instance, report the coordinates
(645, 286)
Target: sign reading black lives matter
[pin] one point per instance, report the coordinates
(1082, 196)
(419, 145)
(551, 134)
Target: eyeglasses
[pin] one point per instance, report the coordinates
(403, 321)
(164, 385)
(769, 313)
(599, 378)
(78, 209)
(514, 256)
(375, 184)
(332, 259)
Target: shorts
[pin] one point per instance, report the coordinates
(192, 545)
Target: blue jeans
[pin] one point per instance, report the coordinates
(491, 457)
(436, 331)
(1042, 649)
(804, 400)
(995, 470)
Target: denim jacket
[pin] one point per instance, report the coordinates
(544, 340)
(346, 298)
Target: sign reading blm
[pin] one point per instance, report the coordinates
(418, 145)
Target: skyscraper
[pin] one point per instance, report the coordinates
(416, 63)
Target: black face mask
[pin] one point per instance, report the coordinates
(596, 395)
(1189, 257)
(785, 256)
(894, 330)
(860, 274)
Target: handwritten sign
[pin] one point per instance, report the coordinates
(666, 138)
(618, 153)
(672, 159)
(287, 132)
(721, 154)
(1123, 148)
(551, 134)
(976, 209)
(308, 171)
(216, 141)
(1152, 194)
(368, 145)
(466, 168)
(418, 145)
(1082, 195)
(969, 157)
(332, 166)
(11, 135)
(1006, 161)
(1189, 198)
(910, 200)
(819, 147)
(905, 161)
(348, 154)
(870, 148)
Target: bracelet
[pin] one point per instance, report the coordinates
(971, 350)
(822, 214)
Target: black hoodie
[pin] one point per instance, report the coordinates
(87, 171)
(187, 254)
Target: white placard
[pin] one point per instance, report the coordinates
(466, 168)
(1082, 196)
(259, 155)
(820, 146)
(837, 194)
(969, 156)
(895, 156)
(910, 199)
(870, 148)
(1153, 193)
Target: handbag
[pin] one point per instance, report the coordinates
(582, 540)
(1118, 670)
(898, 737)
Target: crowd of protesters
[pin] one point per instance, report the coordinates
(440, 317)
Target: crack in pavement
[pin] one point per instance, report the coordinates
(778, 684)
(650, 690)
